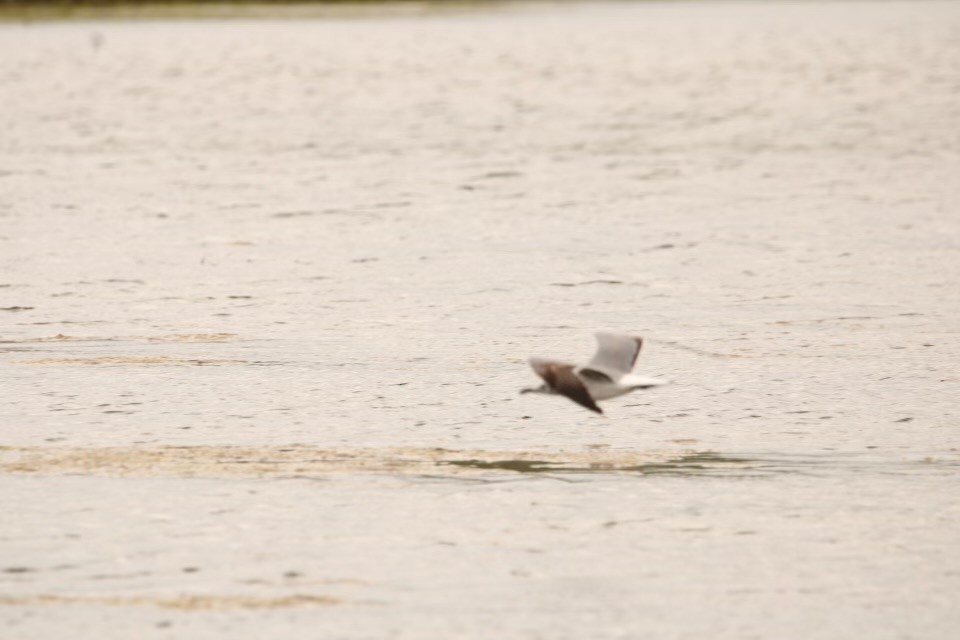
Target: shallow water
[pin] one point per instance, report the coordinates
(267, 291)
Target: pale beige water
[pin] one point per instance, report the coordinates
(312, 253)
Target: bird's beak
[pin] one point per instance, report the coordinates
(527, 390)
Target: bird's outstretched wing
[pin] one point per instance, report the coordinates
(616, 354)
(562, 379)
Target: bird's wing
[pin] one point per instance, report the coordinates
(562, 379)
(593, 374)
(615, 353)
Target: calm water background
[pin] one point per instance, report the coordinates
(343, 237)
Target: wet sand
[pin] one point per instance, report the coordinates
(268, 287)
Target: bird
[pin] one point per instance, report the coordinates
(607, 375)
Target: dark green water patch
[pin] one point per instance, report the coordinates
(521, 466)
(695, 464)
(701, 464)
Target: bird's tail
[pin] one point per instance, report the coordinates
(643, 382)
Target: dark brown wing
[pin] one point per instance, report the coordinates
(563, 380)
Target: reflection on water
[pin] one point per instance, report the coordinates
(694, 464)
(708, 463)
(307, 461)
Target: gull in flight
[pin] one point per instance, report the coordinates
(607, 375)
